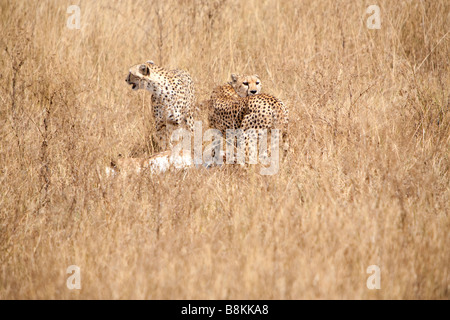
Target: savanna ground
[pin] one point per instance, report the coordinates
(366, 181)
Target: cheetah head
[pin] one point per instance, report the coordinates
(139, 75)
(246, 85)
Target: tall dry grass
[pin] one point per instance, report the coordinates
(366, 181)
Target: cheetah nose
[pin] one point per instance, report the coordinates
(253, 91)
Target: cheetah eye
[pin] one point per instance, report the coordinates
(257, 83)
(245, 83)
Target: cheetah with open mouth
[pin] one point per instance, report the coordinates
(173, 98)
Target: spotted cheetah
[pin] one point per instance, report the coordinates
(240, 86)
(228, 110)
(173, 97)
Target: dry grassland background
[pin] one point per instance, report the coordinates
(366, 181)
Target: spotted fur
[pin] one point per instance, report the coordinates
(224, 105)
(228, 110)
(173, 97)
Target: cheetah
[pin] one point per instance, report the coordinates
(173, 97)
(231, 110)
(240, 86)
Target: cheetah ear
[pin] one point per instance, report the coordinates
(144, 70)
(234, 77)
(150, 62)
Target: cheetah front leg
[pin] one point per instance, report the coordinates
(161, 136)
(189, 122)
(257, 132)
(250, 141)
(167, 121)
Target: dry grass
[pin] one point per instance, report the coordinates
(366, 181)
